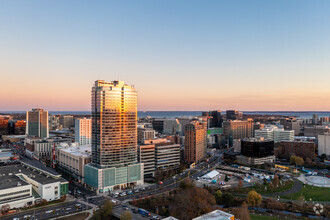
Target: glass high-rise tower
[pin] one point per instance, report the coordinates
(114, 124)
(114, 137)
(37, 123)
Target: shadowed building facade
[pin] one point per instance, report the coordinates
(114, 137)
(37, 123)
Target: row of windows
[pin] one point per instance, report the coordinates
(16, 197)
(13, 193)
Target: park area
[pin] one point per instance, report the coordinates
(310, 192)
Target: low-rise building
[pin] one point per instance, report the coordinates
(72, 159)
(315, 131)
(304, 149)
(216, 215)
(274, 133)
(23, 184)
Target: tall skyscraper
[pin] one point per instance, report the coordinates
(195, 141)
(37, 123)
(83, 131)
(114, 137)
(216, 119)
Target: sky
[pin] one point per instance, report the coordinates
(180, 55)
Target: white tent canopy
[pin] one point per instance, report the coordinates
(211, 175)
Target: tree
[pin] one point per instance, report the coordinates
(217, 196)
(254, 198)
(187, 183)
(276, 181)
(104, 212)
(190, 203)
(227, 199)
(323, 156)
(296, 160)
(126, 216)
(242, 212)
(309, 161)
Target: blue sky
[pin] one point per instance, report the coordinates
(180, 55)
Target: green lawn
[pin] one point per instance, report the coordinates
(316, 193)
(263, 217)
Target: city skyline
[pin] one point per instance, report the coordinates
(246, 55)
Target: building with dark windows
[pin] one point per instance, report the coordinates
(37, 123)
(304, 149)
(256, 151)
(234, 115)
(114, 138)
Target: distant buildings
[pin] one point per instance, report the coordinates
(114, 138)
(144, 134)
(195, 141)
(256, 151)
(83, 131)
(166, 125)
(67, 121)
(42, 148)
(324, 144)
(304, 149)
(315, 131)
(273, 133)
(215, 120)
(237, 129)
(37, 123)
(234, 115)
(291, 124)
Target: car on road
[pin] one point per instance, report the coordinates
(49, 211)
(27, 216)
(160, 183)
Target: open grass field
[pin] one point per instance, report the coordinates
(313, 192)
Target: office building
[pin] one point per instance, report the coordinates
(324, 144)
(304, 149)
(146, 155)
(37, 123)
(67, 121)
(274, 133)
(215, 120)
(195, 141)
(114, 138)
(256, 151)
(291, 124)
(166, 125)
(83, 131)
(315, 131)
(237, 129)
(72, 160)
(42, 148)
(16, 127)
(167, 156)
(234, 115)
(145, 134)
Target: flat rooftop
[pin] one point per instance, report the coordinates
(10, 176)
(78, 150)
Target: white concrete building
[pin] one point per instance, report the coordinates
(83, 131)
(21, 185)
(72, 159)
(274, 133)
(324, 144)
